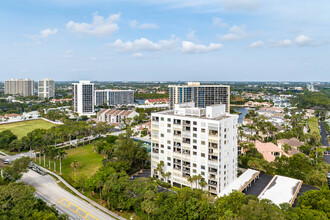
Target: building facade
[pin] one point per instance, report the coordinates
(192, 141)
(46, 88)
(114, 97)
(113, 116)
(202, 95)
(83, 97)
(23, 87)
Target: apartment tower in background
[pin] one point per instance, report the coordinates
(46, 88)
(114, 97)
(23, 87)
(202, 95)
(191, 141)
(83, 97)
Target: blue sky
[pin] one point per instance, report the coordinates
(123, 40)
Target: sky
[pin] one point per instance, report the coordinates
(165, 40)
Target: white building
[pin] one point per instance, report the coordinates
(192, 141)
(46, 88)
(83, 97)
(23, 87)
(114, 116)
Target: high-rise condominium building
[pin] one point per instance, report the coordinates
(23, 87)
(114, 97)
(83, 97)
(202, 95)
(190, 141)
(46, 88)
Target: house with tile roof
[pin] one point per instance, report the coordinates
(114, 116)
(156, 101)
(269, 150)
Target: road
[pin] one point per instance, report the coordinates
(4, 156)
(64, 201)
(324, 139)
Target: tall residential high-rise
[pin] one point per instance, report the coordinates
(83, 97)
(114, 97)
(191, 141)
(46, 88)
(202, 95)
(23, 87)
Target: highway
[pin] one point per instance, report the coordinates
(64, 201)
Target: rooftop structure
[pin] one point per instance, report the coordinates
(269, 150)
(281, 189)
(242, 182)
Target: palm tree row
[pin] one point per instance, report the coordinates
(198, 180)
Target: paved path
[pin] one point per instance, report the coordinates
(83, 196)
(4, 156)
(64, 201)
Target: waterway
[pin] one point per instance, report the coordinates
(243, 111)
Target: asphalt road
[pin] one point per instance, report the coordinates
(324, 139)
(64, 201)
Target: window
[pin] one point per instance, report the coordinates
(162, 151)
(202, 155)
(169, 147)
(203, 130)
(194, 171)
(195, 123)
(168, 130)
(169, 164)
(203, 173)
(169, 142)
(168, 125)
(162, 145)
(194, 135)
(195, 153)
(202, 142)
(162, 135)
(169, 120)
(195, 147)
(194, 129)
(162, 118)
(169, 158)
(195, 141)
(202, 167)
(194, 165)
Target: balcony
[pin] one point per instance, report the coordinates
(212, 138)
(213, 190)
(176, 154)
(177, 127)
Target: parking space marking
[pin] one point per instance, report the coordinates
(76, 209)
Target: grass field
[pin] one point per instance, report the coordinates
(313, 125)
(89, 161)
(24, 127)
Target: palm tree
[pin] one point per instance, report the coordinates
(99, 186)
(202, 183)
(75, 164)
(160, 167)
(54, 154)
(198, 178)
(190, 180)
(61, 155)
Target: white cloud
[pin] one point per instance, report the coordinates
(303, 40)
(219, 22)
(99, 27)
(190, 47)
(43, 34)
(244, 5)
(67, 54)
(137, 55)
(280, 43)
(143, 44)
(257, 44)
(135, 24)
(191, 36)
(235, 33)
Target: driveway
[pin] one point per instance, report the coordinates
(324, 139)
(64, 201)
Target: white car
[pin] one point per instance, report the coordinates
(7, 161)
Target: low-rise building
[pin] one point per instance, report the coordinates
(269, 150)
(113, 116)
(156, 101)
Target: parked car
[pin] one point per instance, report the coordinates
(7, 161)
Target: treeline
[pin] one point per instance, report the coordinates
(39, 139)
(313, 100)
(17, 201)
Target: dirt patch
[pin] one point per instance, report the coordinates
(2, 163)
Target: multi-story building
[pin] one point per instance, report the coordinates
(23, 87)
(191, 141)
(83, 97)
(113, 116)
(202, 95)
(46, 88)
(114, 97)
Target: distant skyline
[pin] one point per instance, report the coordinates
(165, 40)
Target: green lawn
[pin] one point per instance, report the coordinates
(89, 161)
(24, 127)
(313, 125)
